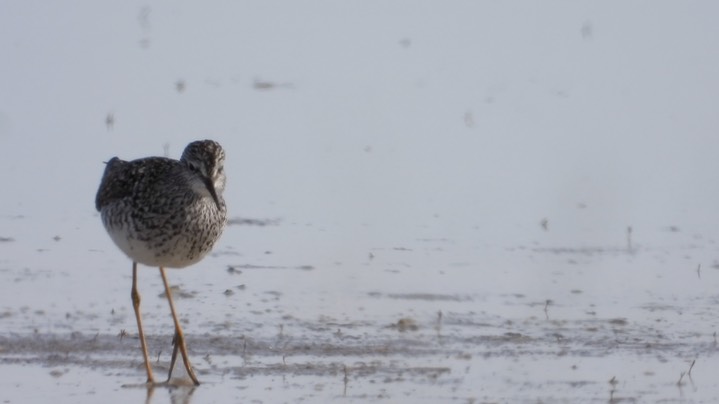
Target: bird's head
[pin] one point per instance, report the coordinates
(207, 159)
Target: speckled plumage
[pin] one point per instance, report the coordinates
(164, 212)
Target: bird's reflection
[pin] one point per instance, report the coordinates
(180, 391)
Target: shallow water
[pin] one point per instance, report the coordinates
(401, 324)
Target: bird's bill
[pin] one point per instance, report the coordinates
(211, 188)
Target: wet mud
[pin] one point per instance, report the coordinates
(450, 356)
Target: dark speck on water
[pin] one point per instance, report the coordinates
(242, 221)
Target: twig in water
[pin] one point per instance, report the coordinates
(612, 382)
(284, 353)
(244, 348)
(546, 308)
(346, 381)
(439, 324)
(691, 367)
(681, 376)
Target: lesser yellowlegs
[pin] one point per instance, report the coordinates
(165, 213)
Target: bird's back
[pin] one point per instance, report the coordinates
(139, 182)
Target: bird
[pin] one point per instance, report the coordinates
(165, 213)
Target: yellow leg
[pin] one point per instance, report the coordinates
(174, 355)
(136, 305)
(179, 337)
